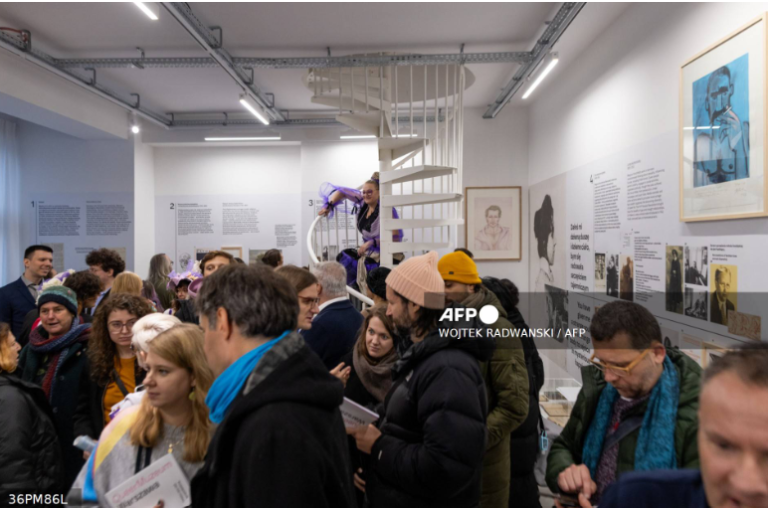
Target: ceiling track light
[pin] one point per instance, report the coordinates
(264, 138)
(151, 9)
(551, 65)
(134, 123)
(254, 108)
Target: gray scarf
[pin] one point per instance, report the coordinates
(377, 379)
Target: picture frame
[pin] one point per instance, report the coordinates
(723, 135)
(493, 223)
(236, 252)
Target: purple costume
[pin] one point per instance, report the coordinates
(369, 227)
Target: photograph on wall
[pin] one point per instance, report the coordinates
(184, 259)
(724, 290)
(201, 252)
(255, 255)
(696, 265)
(674, 279)
(557, 311)
(696, 302)
(493, 225)
(547, 234)
(330, 252)
(671, 338)
(235, 252)
(744, 325)
(627, 278)
(599, 272)
(723, 129)
(612, 275)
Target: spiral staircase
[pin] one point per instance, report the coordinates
(416, 112)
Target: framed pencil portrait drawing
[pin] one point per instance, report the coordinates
(493, 222)
(723, 128)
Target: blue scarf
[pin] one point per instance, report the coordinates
(228, 385)
(656, 442)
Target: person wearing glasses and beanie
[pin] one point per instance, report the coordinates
(637, 409)
(365, 207)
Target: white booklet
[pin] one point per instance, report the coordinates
(356, 415)
(162, 480)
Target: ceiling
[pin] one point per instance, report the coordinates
(82, 30)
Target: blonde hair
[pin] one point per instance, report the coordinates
(127, 283)
(181, 345)
(8, 362)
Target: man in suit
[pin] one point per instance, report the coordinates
(20, 297)
(719, 302)
(335, 329)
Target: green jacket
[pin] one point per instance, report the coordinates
(567, 448)
(506, 382)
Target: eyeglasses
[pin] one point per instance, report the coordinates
(367, 193)
(117, 326)
(309, 301)
(615, 369)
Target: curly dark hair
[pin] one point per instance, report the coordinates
(85, 285)
(107, 259)
(102, 351)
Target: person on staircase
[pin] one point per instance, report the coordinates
(365, 207)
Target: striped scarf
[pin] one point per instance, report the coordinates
(59, 347)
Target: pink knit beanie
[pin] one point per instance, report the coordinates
(418, 280)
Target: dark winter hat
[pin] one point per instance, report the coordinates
(61, 295)
(376, 281)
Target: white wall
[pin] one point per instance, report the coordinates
(144, 206)
(624, 89)
(496, 155)
(52, 162)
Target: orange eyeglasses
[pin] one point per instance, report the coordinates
(619, 371)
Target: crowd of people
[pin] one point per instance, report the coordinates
(239, 372)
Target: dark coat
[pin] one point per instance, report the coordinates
(356, 391)
(30, 455)
(15, 302)
(715, 316)
(657, 489)
(434, 434)
(64, 399)
(89, 415)
(334, 332)
(282, 443)
(567, 449)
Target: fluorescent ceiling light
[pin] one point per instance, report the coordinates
(371, 136)
(254, 108)
(151, 9)
(543, 75)
(405, 135)
(277, 138)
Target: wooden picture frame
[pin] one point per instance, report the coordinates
(235, 251)
(723, 134)
(496, 240)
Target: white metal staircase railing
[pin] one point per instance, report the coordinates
(420, 169)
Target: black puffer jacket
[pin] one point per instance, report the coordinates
(434, 434)
(30, 455)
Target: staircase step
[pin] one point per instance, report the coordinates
(400, 146)
(395, 224)
(403, 175)
(367, 123)
(347, 102)
(420, 199)
(396, 247)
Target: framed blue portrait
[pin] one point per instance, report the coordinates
(722, 128)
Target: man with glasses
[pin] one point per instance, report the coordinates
(335, 328)
(636, 409)
(733, 444)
